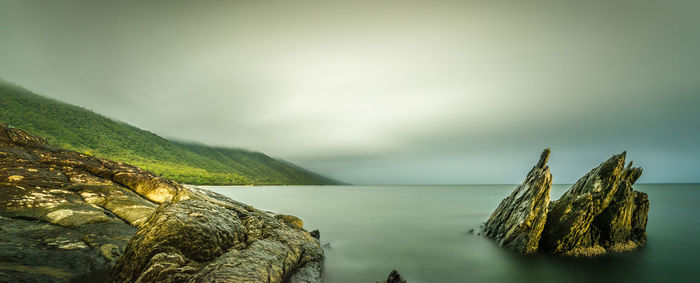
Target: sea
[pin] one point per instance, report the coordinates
(430, 234)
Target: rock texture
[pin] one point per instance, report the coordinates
(204, 237)
(518, 221)
(62, 215)
(599, 213)
(66, 216)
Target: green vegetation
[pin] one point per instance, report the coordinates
(82, 130)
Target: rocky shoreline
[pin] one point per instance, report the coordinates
(599, 213)
(67, 216)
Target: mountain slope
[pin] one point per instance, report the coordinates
(82, 130)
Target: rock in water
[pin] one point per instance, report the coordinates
(518, 221)
(394, 277)
(599, 212)
(316, 234)
(639, 218)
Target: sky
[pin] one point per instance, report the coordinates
(383, 92)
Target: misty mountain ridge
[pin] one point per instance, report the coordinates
(79, 129)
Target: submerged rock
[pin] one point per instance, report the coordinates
(66, 216)
(518, 221)
(394, 277)
(599, 213)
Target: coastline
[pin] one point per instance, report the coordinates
(94, 215)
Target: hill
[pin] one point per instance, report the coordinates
(76, 128)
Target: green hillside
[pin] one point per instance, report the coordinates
(82, 130)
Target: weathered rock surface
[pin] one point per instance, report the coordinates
(291, 220)
(599, 213)
(200, 238)
(68, 216)
(61, 214)
(518, 221)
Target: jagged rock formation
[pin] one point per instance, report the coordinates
(599, 213)
(518, 221)
(69, 216)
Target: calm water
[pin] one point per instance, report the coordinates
(422, 231)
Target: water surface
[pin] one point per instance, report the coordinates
(423, 231)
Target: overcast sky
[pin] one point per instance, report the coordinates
(383, 92)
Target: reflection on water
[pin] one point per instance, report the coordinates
(422, 231)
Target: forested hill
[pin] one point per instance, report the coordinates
(82, 130)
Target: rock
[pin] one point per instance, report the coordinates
(66, 216)
(599, 213)
(639, 218)
(615, 222)
(309, 273)
(111, 252)
(20, 137)
(37, 251)
(518, 221)
(224, 241)
(172, 233)
(58, 219)
(291, 220)
(394, 277)
(154, 188)
(315, 234)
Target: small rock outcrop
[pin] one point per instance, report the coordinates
(599, 213)
(518, 221)
(67, 216)
(316, 234)
(394, 277)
